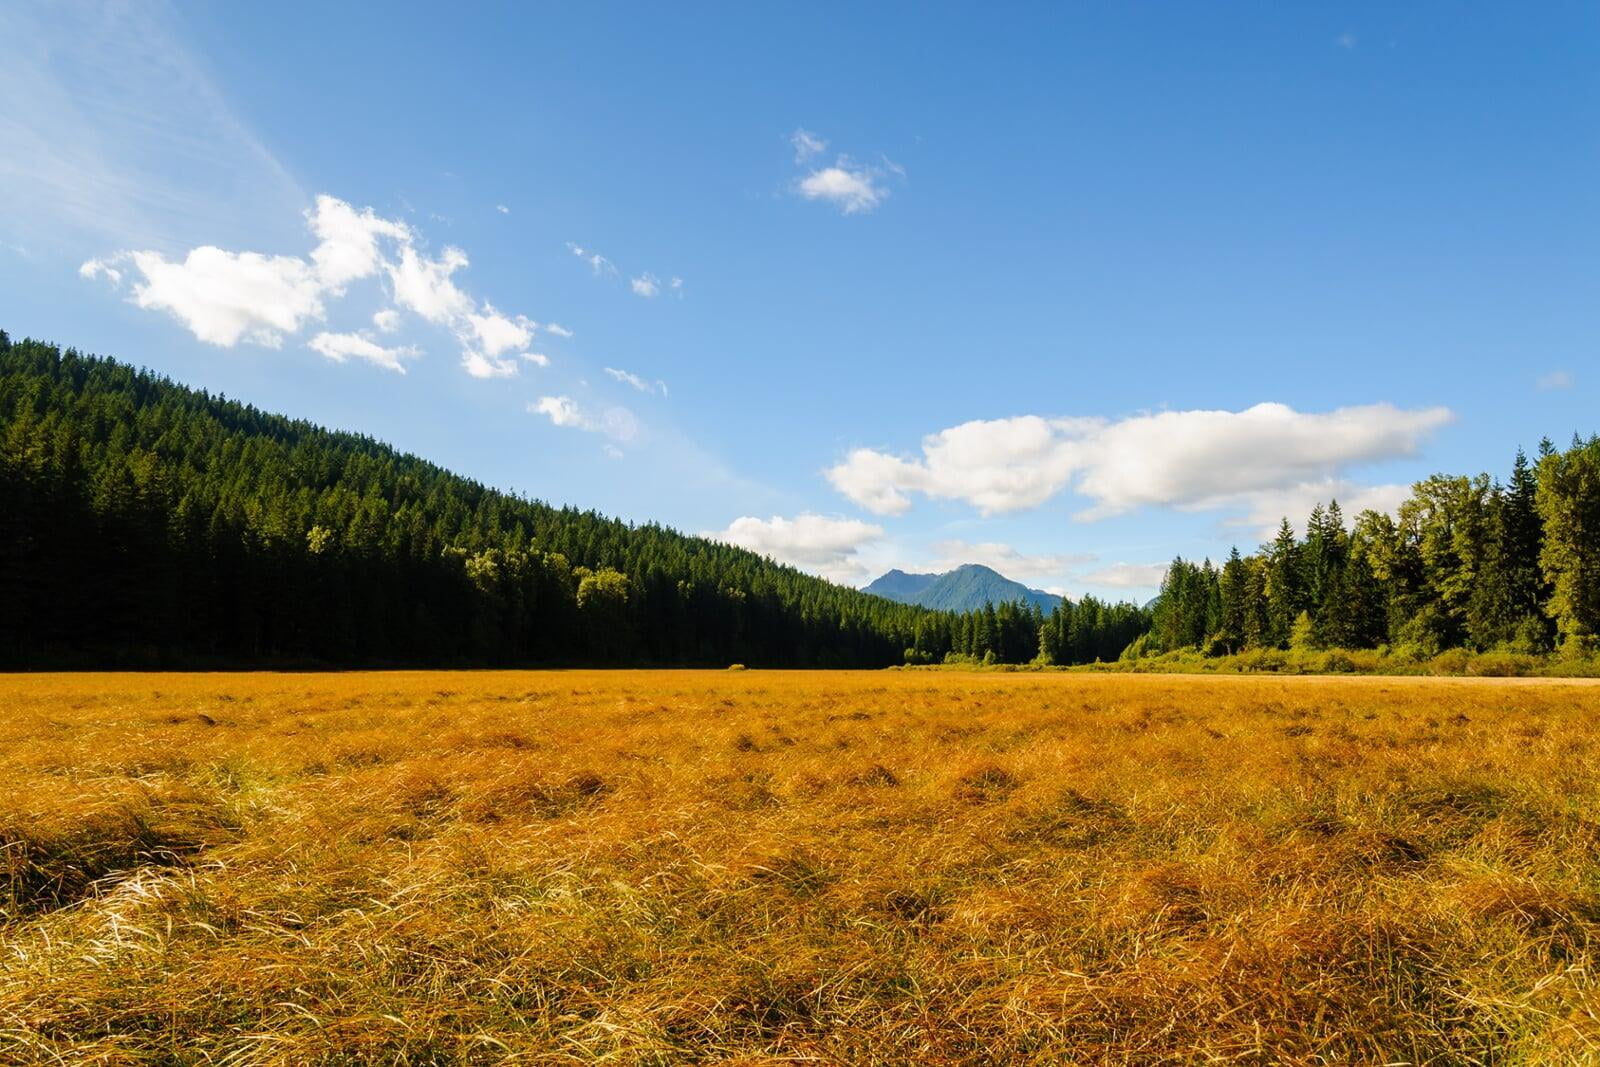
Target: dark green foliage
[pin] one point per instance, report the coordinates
(147, 523)
(1468, 564)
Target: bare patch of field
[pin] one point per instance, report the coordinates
(814, 867)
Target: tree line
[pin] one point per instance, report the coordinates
(1467, 562)
(145, 523)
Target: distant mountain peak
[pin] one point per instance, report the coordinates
(966, 588)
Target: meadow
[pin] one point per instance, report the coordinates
(753, 867)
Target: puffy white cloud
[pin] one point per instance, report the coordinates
(227, 297)
(223, 297)
(496, 333)
(806, 144)
(342, 346)
(815, 543)
(502, 209)
(348, 241)
(849, 186)
(481, 365)
(1193, 460)
(561, 410)
(646, 285)
(538, 359)
(424, 285)
(1556, 379)
(617, 423)
(631, 379)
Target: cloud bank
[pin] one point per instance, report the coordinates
(1190, 460)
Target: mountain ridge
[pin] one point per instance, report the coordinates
(966, 588)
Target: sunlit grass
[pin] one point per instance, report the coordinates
(873, 867)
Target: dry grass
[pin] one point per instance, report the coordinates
(756, 867)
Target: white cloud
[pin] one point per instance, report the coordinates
(1003, 558)
(1556, 379)
(97, 268)
(1265, 509)
(227, 297)
(1127, 575)
(496, 333)
(342, 346)
(502, 209)
(629, 378)
(538, 359)
(424, 286)
(348, 241)
(676, 285)
(617, 423)
(1192, 460)
(561, 410)
(814, 543)
(598, 263)
(850, 187)
(646, 285)
(557, 329)
(806, 144)
(481, 365)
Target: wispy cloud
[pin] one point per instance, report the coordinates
(114, 132)
(597, 263)
(1556, 379)
(852, 187)
(806, 144)
(1126, 576)
(340, 347)
(630, 379)
(617, 423)
(1007, 560)
(645, 284)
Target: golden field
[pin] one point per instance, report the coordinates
(930, 867)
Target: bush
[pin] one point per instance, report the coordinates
(1338, 661)
(737, 667)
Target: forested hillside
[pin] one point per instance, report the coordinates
(1468, 563)
(145, 523)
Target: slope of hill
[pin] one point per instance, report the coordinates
(901, 586)
(967, 588)
(147, 523)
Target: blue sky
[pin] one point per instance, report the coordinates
(1064, 289)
